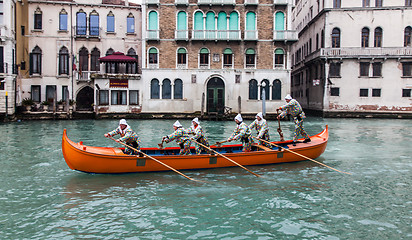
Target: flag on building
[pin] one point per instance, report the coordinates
(74, 63)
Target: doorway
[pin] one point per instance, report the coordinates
(85, 99)
(215, 96)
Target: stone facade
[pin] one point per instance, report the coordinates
(220, 80)
(353, 57)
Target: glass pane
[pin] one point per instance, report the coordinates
(166, 89)
(63, 22)
(134, 97)
(94, 25)
(130, 25)
(276, 90)
(154, 90)
(114, 98)
(81, 24)
(178, 89)
(253, 90)
(110, 23)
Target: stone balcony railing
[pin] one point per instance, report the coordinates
(182, 35)
(181, 2)
(251, 2)
(129, 76)
(216, 2)
(285, 35)
(251, 35)
(152, 34)
(358, 52)
(216, 35)
(282, 2)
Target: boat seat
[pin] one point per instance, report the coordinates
(118, 151)
(262, 147)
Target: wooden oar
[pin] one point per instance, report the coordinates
(301, 155)
(279, 129)
(219, 143)
(210, 149)
(154, 159)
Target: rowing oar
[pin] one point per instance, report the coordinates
(154, 159)
(219, 143)
(210, 149)
(301, 155)
(279, 129)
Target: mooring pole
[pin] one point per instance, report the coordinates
(7, 104)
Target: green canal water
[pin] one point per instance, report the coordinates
(41, 198)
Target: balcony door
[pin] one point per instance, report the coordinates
(215, 95)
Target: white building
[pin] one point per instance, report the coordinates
(353, 57)
(7, 56)
(66, 40)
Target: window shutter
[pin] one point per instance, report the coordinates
(40, 63)
(31, 64)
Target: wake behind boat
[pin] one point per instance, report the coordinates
(112, 160)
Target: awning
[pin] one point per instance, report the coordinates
(117, 57)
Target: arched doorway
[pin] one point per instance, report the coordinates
(215, 95)
(85, 99)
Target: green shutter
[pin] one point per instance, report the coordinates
(250, 21)
(234, 21)
(228, 51)
(250, 51)
(181, 50)
(204, 50)
(153, 50)
(152, 20)
(279, 51)
(198, 21)
(222, 21)
(181, 21)
(210, 21)
(280, 21)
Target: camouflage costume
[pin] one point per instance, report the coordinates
(200, 137)
(295, 110)
(181, 138)
(129, 137)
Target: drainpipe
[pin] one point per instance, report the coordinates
(71, 44)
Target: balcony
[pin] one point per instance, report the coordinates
(152, 34)
(152, 2)
(216, 35)
(83, 76)
(285, 35)
(182, 35)
(87, 32)
(182, 2)
(389, 52)
(251, 2)
(216, 2)
(282, 2)
(251, 35)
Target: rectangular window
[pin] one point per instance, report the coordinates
(204, 59)
(2, 83)
(334, 91)
(65, 93)
(37, 21)
(334, 70)
(134, 97)
(1, 12)
(110, 23)
(250, 60)
(336, 3)
(377, 69)
(119, 97)
(63, 22)
(2, 64)
(227, 60)
(181, 58)
(63, 64)
(152, 58)
(406, 93)
(130, 25)
(376, 92)
(35, 93)
(406, 69)
(50, 93)
(104, 97)
(364, 92)
(378, 3)
(408, 3)
(365, 3)
(364, 69)
(35, 63)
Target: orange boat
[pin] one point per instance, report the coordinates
(112, 160)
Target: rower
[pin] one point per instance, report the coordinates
(262, 129)
(127, 135)
(181, 138)
(199, 136)
(242, 132)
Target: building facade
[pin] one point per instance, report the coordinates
(66, 39)
(215, 56)
(353, 57)
(7, 57)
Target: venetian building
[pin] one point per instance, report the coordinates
(65, 41)
(216, 56)
(7, 57)
(353, 57)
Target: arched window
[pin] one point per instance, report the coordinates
(335, 38)
(38, 22)
(132, 67)
(154, 89)
(153, 25)
(222, 25)
(253, 89)
(109, 51)
(378, 37)
(198, 25)
(64, 61)
(322, 38)
(250, 32)
(153, 56)
(317, 41)
(83, 59)
(181, 57)
(264, 85)
(279, 21)
(365, 37)
(210, 25)
(94, 61)
(130, 23)
(81, 23)
(277, 90)
(110, 22)
(228, 58)
(63, 20)
(181, 30)
(234, 25)
(35, 61)
(407, 37)
(204, 57)
(94, 23)
(178, 89)
(279, 58)
(166, 89)
(250, 58)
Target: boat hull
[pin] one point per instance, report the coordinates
(112, 160)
